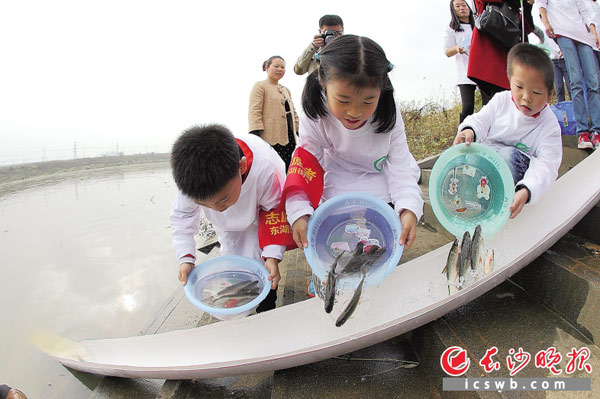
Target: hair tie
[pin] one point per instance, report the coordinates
(390, 66)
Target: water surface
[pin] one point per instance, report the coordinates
(83, 258)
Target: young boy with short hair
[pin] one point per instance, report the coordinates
(520, 125)
(231, 180)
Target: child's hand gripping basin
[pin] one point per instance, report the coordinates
(471, 185)
(340, 224)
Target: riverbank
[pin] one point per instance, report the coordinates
(18, 177)
(430, 129)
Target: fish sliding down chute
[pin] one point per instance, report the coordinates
(471, 189)
(415, 293)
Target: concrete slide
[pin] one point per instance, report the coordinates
(414, 294)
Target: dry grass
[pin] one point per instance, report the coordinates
(431, 127)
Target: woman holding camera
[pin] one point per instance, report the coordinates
(271, 113)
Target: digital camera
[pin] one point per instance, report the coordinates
(329, 35)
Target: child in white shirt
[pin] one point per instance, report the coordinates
(231, 180)
(352, 125)
(520, 125)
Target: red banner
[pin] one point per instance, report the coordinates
(304, 174)
(274, 229)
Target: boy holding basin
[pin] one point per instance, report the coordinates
(520, 125)
(233, 180)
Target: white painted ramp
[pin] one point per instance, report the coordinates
(414, 294)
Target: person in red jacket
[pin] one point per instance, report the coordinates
(487, 59)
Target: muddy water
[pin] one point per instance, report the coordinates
(82, 258)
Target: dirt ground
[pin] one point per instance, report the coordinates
(17, 177)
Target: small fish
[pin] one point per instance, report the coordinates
(246, 291)
(242, 288)
(477, 249)
(356, 260)
(373, 254)
(243, 293)
(330, 287)
(231, 301)
(488, 263)
(235, 287)
(451, 268)
(464, 260)
(363, 261)
(235, 302)
(352, 304)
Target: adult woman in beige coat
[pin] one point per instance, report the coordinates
(271, 113)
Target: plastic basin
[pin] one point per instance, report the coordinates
(209, 278)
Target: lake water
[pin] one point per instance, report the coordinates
(82, 258)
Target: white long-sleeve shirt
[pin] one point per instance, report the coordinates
(462, 38)
(501, 124)
(569, 19)
(359, 160)
(594, 9)
(237, 226)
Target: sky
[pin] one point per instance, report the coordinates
(82, 78)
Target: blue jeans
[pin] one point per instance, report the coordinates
(517, 162)
(560, 74)
(582, 64)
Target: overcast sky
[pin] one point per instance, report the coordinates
(91, 77)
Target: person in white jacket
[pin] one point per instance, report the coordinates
(457, 42)
(567, 21)
(231, 180)
(520, 125)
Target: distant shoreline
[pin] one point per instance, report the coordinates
(17, 177)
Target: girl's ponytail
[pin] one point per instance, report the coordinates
(313, 100)
(384, 117)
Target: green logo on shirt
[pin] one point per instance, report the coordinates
(378, 164)
(522, 147)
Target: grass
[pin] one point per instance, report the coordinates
(431, 127)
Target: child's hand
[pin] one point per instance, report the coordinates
(521, 198)
(409, 228)
(299, 229)
(272, 265)
(184, 270)
(464, 136)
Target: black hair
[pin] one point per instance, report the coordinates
(204, 159)
(330, 20)
(361, 62)
(455, 22)
(268, 62)
(534, 57)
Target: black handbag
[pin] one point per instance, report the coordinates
(500, 22)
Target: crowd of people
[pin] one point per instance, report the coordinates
(350, 133)
(569, 33)
(351, 136)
